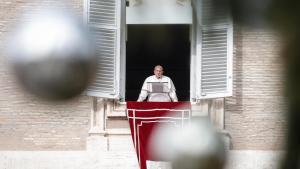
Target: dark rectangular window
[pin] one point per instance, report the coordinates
(150, 45)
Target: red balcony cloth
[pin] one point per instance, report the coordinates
(144, 117)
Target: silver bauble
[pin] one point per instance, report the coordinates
(52, 55)
(194, 146)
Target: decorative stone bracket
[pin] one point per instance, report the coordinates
(98, 116)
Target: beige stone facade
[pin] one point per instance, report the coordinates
(255, 115)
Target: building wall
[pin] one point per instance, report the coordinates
(27, 123)
(255, 116)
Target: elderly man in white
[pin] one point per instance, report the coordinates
(158, 88)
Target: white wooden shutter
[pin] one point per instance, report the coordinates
(214, 51)
(104, 22)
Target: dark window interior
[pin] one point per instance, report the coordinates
(150, 45)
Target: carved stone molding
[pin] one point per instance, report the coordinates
(116, 108)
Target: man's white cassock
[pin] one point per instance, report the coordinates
(152, 86)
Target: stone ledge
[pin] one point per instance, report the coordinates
(118, 131)
(237, 159)
(108, 132)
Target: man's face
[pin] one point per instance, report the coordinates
(158, 72)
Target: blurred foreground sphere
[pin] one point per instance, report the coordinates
(195, 146)
(52, 55)
(254, 13)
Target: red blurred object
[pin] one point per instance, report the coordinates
(144, 117)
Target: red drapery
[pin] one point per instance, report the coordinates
(144, 117)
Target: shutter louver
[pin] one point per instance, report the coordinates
(104, 27)
(215, 12)
(214, 61)
(102, 12)
(216, 51)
